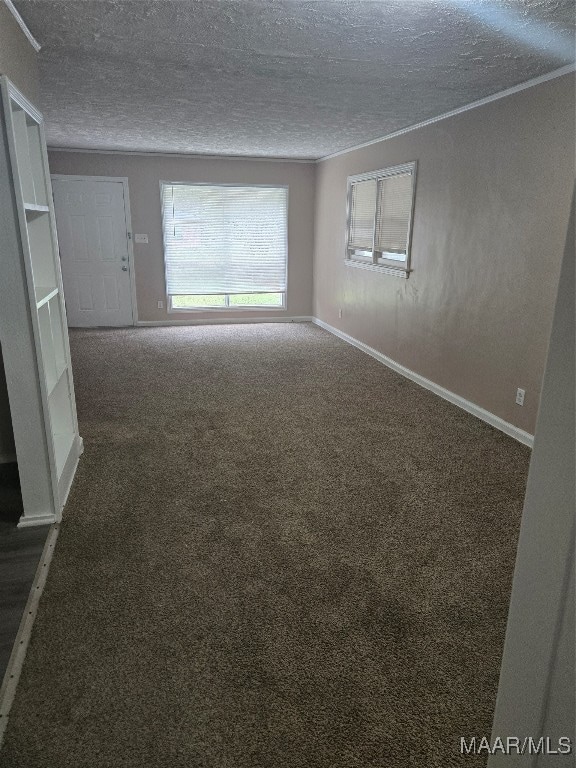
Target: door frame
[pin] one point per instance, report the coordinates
(129, 233)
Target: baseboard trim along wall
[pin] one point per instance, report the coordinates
(495, 421)
(226, 321)
(32, 522)
(16, 661)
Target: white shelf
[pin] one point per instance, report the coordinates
(32, 209)
(43, 295)
(37, 358)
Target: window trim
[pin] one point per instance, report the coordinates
(380, 263)
(168, 297)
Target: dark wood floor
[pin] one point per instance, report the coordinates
(20, 552)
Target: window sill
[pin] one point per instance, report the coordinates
(193, 310)
(396, 272)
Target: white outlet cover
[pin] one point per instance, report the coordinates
(140, 238)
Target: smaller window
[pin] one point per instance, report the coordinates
(379, 220)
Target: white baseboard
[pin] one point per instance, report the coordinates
(31, 522)
(226, 321)
(495, 421)
(64, 486)
(14, 668)
(7, 458)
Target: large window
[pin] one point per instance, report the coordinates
(379, 222)
(225, 246)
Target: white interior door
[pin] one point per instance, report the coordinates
(94, 250)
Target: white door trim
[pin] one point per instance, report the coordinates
(128, 216)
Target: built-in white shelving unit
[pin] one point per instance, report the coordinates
(33, 329)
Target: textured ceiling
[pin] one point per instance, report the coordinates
(290, 78)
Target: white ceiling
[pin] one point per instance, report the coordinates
(284, 78)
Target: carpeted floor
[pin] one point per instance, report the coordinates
(277, 554)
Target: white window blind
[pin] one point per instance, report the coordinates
(224, 239)
(380, 219)
(362, 209)
(393, 216)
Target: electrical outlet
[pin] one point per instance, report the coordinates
(160, 305)
(520, 396)
(340, 314)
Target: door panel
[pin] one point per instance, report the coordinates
(93, 239)
(85, 299)
(111, 298)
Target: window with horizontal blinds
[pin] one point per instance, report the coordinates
(224, 239)
(379, 222)
(393, 215)
(362, 208)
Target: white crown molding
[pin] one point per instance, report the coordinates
(180, 155)
(490, 418)
(22, 24)
(473, 105)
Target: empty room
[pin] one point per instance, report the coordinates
(287, 383)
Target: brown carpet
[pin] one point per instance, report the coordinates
(277, 554)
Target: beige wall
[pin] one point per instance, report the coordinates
(18, 61)
(492, 202)
(17, 57)
(144, 174)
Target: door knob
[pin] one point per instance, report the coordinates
(124, 269)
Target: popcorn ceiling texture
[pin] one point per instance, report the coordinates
(278, 77)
